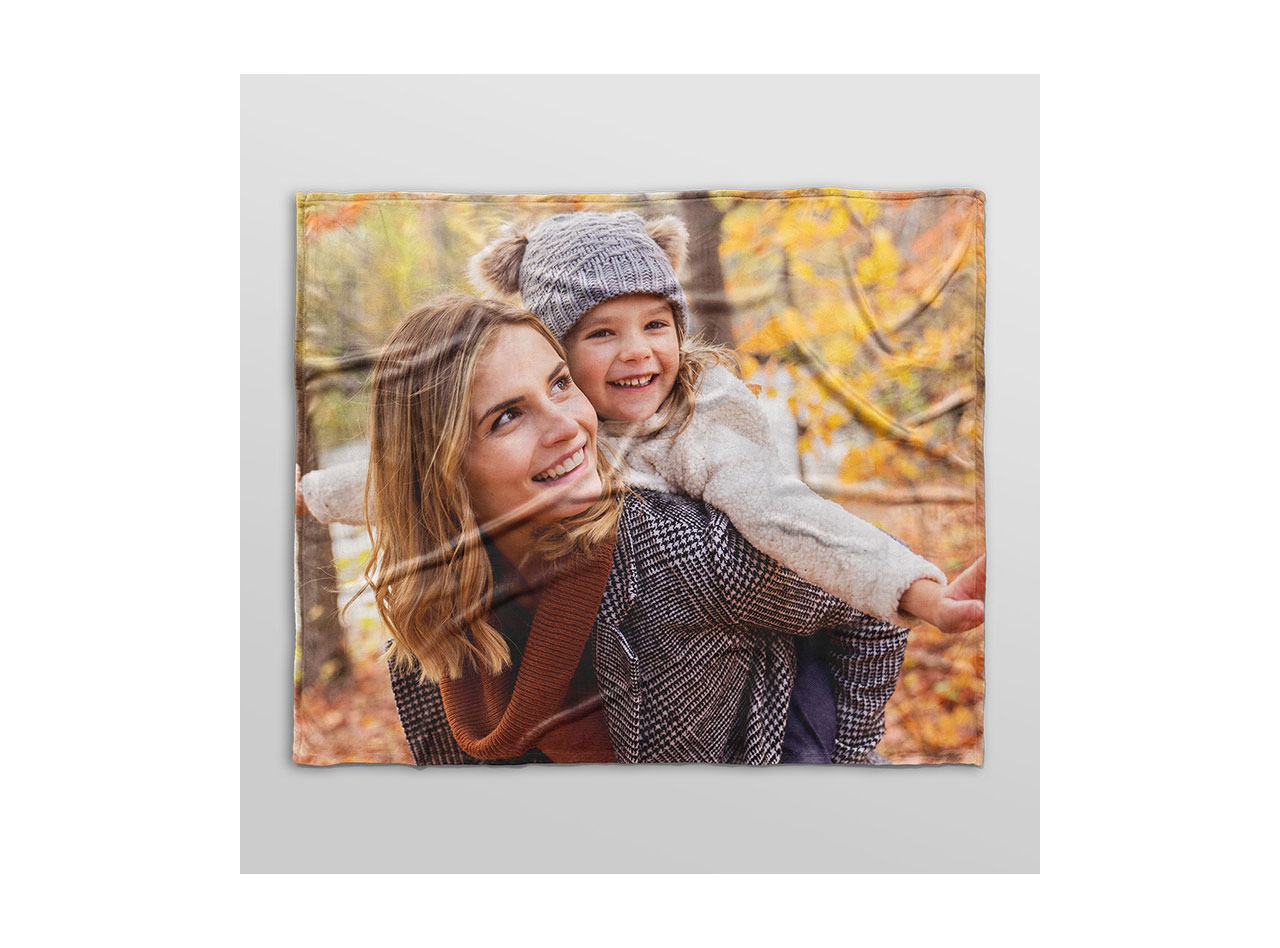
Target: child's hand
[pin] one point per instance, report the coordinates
(957, 607)
(299, 502)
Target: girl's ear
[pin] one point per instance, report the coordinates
(498, 265)
(672, 236)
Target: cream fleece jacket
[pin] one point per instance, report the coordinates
(725, 458)
(336, 494)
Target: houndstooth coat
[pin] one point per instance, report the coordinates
(694, 653)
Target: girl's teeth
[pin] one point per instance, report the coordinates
(634, 383)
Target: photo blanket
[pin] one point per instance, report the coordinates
(767, 405)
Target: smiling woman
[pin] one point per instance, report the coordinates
(538, 612)
(473, 409)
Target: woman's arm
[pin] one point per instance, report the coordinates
(701, 574)
(864, 656)
(864, 660)
(741, 585)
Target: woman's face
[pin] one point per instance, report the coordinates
(532, 455)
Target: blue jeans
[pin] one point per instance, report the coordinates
(810, 736)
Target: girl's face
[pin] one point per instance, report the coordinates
(532, 453)
(625, 354)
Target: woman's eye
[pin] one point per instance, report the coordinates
(506, 417)
(562, 384)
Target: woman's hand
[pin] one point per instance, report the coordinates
(957, 607)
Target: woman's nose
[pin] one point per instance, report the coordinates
(560, 426)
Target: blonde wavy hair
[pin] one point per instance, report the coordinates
(428, 568)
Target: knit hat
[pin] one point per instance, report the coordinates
(571, 263)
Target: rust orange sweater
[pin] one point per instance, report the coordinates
(503, 715)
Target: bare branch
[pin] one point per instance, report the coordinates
(872, 415)
(920, 494)
(943, 405)
(352, 362)
(860, 297)
(945, 274)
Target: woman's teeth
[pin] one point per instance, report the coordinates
(564, 467)
(635, 383)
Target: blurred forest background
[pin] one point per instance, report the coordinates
(859, 316)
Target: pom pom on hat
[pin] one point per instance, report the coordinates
(497, 266)
(672, 236)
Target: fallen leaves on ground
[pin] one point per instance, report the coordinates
(355, 724)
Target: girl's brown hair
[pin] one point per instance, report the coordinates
(428, 568)
(696, 358)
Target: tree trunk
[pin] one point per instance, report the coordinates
(324, 653)
(705, 283)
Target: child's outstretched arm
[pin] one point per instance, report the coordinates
(957, 607)
(725, 457)
(335, 494)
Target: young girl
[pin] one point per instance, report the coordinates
(681, 421)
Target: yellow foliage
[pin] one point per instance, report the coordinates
(905, 467)
(869, 462)
(838, 350)
(865, 210)
(838, 222)
(831, 316)
(802, 269)
(794, 228)
(770, 337)
(880, 267)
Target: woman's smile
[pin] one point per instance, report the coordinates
(562, 468)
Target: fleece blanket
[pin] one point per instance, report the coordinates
(778, 397)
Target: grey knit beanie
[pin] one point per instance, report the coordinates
(571, 263)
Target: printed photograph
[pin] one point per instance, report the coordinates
(686, 477)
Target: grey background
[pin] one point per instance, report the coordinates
(585, 134)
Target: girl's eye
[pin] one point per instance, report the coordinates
(657, 324)
(599, 334)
